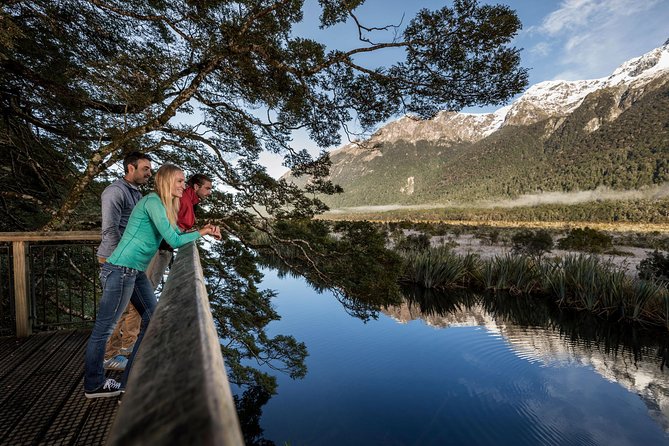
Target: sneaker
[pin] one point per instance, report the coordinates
(109, 388)
(118, 363)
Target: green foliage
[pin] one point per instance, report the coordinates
(534, 243)
(112, 78)
(655, 267)
(411, 242)
(583, 282)
(437, 267)
(646, 211)
(586, 239)
(516, 274)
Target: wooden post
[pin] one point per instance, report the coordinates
(21, 289)
(22, 274)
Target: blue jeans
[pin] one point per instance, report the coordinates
(120, 285)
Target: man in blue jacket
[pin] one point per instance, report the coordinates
(118, 200)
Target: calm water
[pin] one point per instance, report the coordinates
(462, 374)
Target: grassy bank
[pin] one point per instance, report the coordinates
(582, 282)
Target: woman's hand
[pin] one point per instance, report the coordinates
(212, 230)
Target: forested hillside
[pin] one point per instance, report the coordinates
(610, 140)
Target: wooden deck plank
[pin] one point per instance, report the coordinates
(56, 376)
(27, 361)
(98, 422)
(16, 350)
(45, 402)
(33, 383)
(53, 383)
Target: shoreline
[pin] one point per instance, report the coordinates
(620, 227)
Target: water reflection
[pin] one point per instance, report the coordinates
(519, 372)
(538, 332)
(364, 305)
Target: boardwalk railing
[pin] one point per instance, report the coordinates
(55, 279)
(178, 391)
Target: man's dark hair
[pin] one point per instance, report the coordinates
(199, 179)
(132, 158)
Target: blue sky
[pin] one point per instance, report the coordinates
(565, 39)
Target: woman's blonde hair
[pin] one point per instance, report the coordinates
(163, 186)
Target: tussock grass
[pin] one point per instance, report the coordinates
(582, 282)
(437, 267)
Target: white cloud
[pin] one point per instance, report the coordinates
(595, 36)
(541, 49)
(572, 14)
(581, 15)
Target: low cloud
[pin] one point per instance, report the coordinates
(567, 198)
(599, 194)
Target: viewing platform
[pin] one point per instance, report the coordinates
(177, 393)
(42, 395)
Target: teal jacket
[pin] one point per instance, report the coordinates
(147, 226)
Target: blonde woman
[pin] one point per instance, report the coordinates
(122, 276)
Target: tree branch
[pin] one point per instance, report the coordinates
(150, 18)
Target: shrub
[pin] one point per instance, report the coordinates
(533, 243)
(654, 266)
(517, 274)
(488, 237)
(437, 268)
(586, 239)
(419, 242)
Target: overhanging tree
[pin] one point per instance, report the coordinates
(210, 85)
(85, 81)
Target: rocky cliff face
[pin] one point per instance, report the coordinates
(541, 101)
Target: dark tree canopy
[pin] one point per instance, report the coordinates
(84, 81)
(209, 85)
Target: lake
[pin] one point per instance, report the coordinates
(462, 370)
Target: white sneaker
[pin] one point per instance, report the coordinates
(117, 363)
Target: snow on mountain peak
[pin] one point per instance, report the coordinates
(644, 67)
(560, 97)
(540, 101)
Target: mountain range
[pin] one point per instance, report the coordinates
(558, 138)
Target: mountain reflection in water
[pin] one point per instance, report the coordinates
(460, 369)
(537, 332)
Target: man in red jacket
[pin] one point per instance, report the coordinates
(199, 188)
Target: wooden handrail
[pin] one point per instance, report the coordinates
(22, 272)
(178, 390)
(50, 236)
